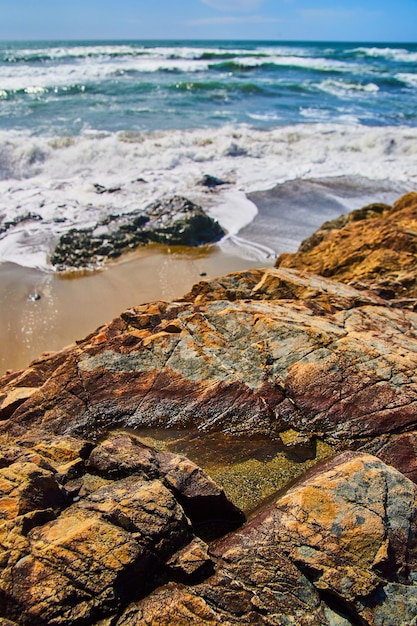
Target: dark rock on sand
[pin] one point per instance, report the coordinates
(19, 219)
(173, 221)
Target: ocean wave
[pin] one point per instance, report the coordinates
(265, 117)
(343, 88)
(409, 79)
(393, 54)
(272, 62)
(20, 78)
(213, 86)
(98, 52)
(56, 178)
(36, 55)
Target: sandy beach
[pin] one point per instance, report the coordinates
(47, 311)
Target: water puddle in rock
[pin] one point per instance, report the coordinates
(250, 470)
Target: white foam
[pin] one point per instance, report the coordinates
(408, 79)
(234, 211)
(55, 178)
(34, 79)
(314, 63)
(395, 54)
(346, 89)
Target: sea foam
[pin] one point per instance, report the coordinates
(56, 179)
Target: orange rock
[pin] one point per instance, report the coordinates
(372, 249)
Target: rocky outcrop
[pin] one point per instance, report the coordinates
(336, 549)
(118, 532)
(374, 247)
(173, 221)
(84, 529)
(296, 391)
(295, 352)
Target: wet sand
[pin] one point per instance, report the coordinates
(42, 312)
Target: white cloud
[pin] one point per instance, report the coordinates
(233, 19)
(233, 5)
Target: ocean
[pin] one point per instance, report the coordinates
(301, 132)
(151, 118)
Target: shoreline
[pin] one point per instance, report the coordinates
(44, 312)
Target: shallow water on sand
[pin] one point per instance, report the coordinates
(45, 311)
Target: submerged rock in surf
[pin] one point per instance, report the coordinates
(174, 221)
(212, 181)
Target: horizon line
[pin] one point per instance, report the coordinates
(204, 39)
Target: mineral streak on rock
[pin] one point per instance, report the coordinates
(173, 221)
(331, 361)
(278, 367)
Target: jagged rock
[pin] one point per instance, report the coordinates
(337, 548)
(120, 455)
(172, 221)
(374, 247)
(331, 362)
(191, 563)
(70, 554)
(351, 527)
(201, 498)
(98, 528)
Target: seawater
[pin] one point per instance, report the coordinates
(149, 119)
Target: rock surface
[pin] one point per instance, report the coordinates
(337, 548)
(292, 351)
(84, 529)
(173, 221)
(374, 247)
(276, 369)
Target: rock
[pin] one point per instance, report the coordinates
(172, 221)
(179, 606)
(336, 549)
(145, 508)
(192, 563)
(27, 487)
(279, 368)
(329, 361)
(78, 568)
(203, 501)
(399, 450)
(351, 528)
(81, 553)
(201, 498)
(16, 397)
(374, 247)
(212, 181)
(121, 455)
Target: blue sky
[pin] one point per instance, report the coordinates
(328, 20)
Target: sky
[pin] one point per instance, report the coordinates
(323, 20)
